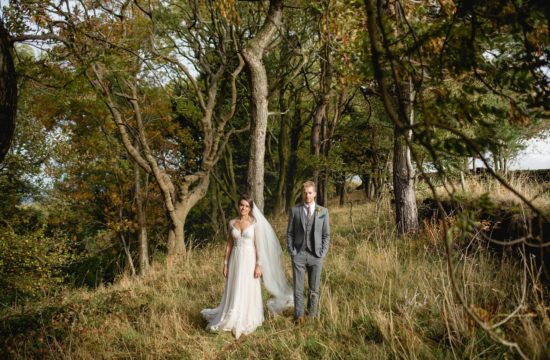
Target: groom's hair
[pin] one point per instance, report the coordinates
(308, 184)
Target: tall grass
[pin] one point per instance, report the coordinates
(536, 192)
(381, 298)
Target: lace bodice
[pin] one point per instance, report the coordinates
(243, 237)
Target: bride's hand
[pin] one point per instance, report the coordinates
(225, 268)
(257, 271)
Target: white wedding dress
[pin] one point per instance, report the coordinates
(241, 309)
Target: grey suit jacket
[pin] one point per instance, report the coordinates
(297, 226)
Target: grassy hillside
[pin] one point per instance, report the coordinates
(380, 298)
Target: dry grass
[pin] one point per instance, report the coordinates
(535, 192)
(381, 298)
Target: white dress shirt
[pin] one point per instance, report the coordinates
(311, 206)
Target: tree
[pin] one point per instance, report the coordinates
(253, 54)
(122, 49)
(399, 108)
(292, 70)
(33, 255)
(8, 91)
(365, 143)
(455, 56)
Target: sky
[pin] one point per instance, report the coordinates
(535, 156)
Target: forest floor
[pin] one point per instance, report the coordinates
(381, 298)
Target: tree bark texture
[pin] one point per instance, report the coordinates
(404, 173)
(8, 92)
(186, 201)
(403, 187)
(257, 76)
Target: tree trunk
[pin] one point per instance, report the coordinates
(322, 175)
(315, 139)
(223, 221)
(126, 248)
(229, 177)
(176, 239)
(403, 172)
(365, 184)
(284, 155)
(403, 185)
(328, 129)
(320, 116)
(372, 185)
(188, 199)
(213, 208)
(342, 189)
(217, 213)
(294, 144)
(253, 54)
(373, 188)
(256, 162)
(462, 173)
(142, 232)
(322, 194)
(399, 110)
(378, 186)
(8, 92)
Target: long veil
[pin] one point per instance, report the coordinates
(269, 250)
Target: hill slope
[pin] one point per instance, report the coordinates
(380, 298)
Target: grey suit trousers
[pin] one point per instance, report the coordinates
(302, 263)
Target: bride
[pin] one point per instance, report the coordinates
(252, 251)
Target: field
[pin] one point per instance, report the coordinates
(381, 298)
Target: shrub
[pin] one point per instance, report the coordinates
(31, 264)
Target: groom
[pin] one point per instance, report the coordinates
(308, 238)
